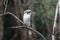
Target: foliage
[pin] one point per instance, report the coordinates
(44, 8)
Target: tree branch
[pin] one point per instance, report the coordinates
(8, 13)
(23, 24)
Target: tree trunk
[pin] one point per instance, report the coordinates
(19, 12)
(1, 22)
(10, 21)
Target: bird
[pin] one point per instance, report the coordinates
(27, 19)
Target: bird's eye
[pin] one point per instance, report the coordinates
(29, 12)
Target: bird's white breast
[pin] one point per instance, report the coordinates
(26, 19)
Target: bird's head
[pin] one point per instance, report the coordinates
(29, 12)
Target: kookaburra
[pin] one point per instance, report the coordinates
(27, 19)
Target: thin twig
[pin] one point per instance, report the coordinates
(6, 6)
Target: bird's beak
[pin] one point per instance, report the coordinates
(33, 13)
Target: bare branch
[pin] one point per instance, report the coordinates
(14, 17)
(17, 27)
